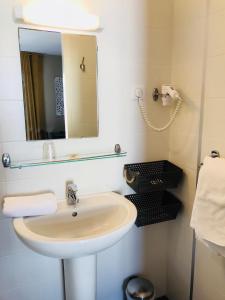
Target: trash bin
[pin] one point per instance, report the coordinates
(140, 289)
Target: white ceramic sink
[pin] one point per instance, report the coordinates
(101, 221)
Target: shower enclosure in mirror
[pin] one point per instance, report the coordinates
(59, 74)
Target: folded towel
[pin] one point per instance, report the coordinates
(35, 205)
(208, 215)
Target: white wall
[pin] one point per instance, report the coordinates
(188, 51)
(210, 268)
(127, 58)
(198, 71)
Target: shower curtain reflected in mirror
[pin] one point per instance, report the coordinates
(33, 89)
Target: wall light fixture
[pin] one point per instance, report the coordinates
(64, 14)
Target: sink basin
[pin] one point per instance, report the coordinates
(101, 221)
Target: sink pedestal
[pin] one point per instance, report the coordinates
(80, 278)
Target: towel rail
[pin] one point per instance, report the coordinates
(213, 154)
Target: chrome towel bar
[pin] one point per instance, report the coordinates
(213, 154)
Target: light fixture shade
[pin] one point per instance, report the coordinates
(66, 14)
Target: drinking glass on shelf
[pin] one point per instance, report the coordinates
(49, 151)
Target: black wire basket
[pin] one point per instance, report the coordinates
(152, 176)
(155, 207)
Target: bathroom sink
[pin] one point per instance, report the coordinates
(101, 221)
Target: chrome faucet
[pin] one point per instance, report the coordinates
(71, 194)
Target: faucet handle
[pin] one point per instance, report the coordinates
(72, 187)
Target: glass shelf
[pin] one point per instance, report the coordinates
(65, 159)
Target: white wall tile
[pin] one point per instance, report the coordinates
(9, 38)
(2, 170)
(187, 78)
(180, 254)
(157, 254)
(162, 8)
(32, 291)
(183, 40)
(8, 31)
(2, 194)
(151, 45)
(91, 177)
(216, 39)
(214, 118)
(189, 24)
(185, 13)
(10, 79)
(10, 244)
(12, 125)
(216, 6)
(21, 271)
(183, 150)
(215, 77)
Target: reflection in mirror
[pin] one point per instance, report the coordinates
(59, 73)
(79, 66)
(41, 64)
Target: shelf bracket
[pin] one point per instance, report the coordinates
(6, 160)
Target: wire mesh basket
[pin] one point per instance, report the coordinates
(155, 207)
(152, 176)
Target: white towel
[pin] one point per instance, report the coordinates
(208, 215)
(215, 248)
(35, 205)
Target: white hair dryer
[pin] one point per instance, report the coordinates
(169, 94)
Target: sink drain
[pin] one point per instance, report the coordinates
(74, 214)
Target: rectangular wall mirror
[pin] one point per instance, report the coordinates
(59, 74)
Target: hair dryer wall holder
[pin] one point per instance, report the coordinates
(156, 94)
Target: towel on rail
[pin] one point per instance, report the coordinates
(208, 215)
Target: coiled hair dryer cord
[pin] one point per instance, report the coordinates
(149, 123)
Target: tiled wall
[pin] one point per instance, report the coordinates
(127, 58)
(210, 268)
(189, 25)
